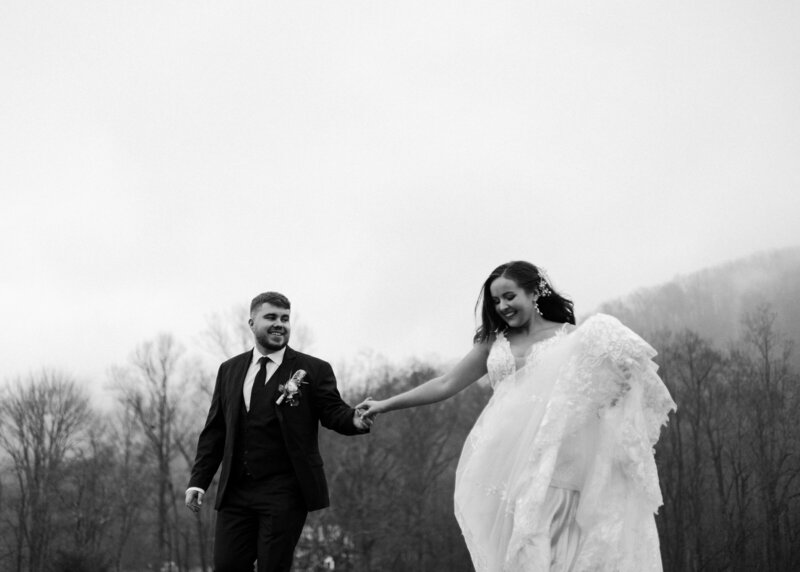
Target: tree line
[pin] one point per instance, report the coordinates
(82, 489)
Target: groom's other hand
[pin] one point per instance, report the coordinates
(194, 499)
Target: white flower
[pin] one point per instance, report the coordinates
(291, 391)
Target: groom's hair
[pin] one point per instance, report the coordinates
(274, 298)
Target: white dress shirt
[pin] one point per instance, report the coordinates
(276, 360)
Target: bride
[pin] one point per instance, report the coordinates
(558, 472)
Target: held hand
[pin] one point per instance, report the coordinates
(361, 423)
(369, 408)
(194, 499)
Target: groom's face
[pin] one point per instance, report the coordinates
(270, 326)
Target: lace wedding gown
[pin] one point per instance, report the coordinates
(558, 473)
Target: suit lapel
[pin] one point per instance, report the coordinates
(284, 372)
(281, 376)
(238, 373)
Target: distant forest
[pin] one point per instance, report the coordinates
(85, 490)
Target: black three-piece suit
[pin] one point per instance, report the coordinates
(272, 472)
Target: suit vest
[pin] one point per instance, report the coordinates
(259, 449)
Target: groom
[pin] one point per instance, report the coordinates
(262, 426)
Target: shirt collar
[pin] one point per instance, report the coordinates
(276, 357)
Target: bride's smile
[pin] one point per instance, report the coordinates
(514, 305)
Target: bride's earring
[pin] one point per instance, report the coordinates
(536, 305)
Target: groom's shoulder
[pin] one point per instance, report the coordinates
(309, 359)
(236, 359)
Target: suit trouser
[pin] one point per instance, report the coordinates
(260, 519)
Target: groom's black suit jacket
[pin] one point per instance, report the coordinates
(320, 402)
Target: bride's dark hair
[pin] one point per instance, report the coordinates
(552, 305)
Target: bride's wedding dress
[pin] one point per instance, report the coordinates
(558, 473)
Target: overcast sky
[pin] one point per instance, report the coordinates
(374, 160)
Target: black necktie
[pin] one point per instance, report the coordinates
(259, 382)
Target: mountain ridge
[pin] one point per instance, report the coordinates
(713, 300)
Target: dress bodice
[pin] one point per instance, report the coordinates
(501, 363)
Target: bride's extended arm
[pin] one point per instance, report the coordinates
(471, 368)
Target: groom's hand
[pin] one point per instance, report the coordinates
(194, 499)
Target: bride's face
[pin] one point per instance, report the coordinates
(513, 304)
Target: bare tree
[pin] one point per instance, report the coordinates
(186, 436)
(730, 462)
(774, 431)
(738, 468)
(41, 418)
(87, 503)
(227, 333)
(696, 368)
(152, 388)
(130, 477)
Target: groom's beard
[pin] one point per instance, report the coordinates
(271, 341)
(274, 339)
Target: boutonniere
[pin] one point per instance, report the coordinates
(290, 391)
